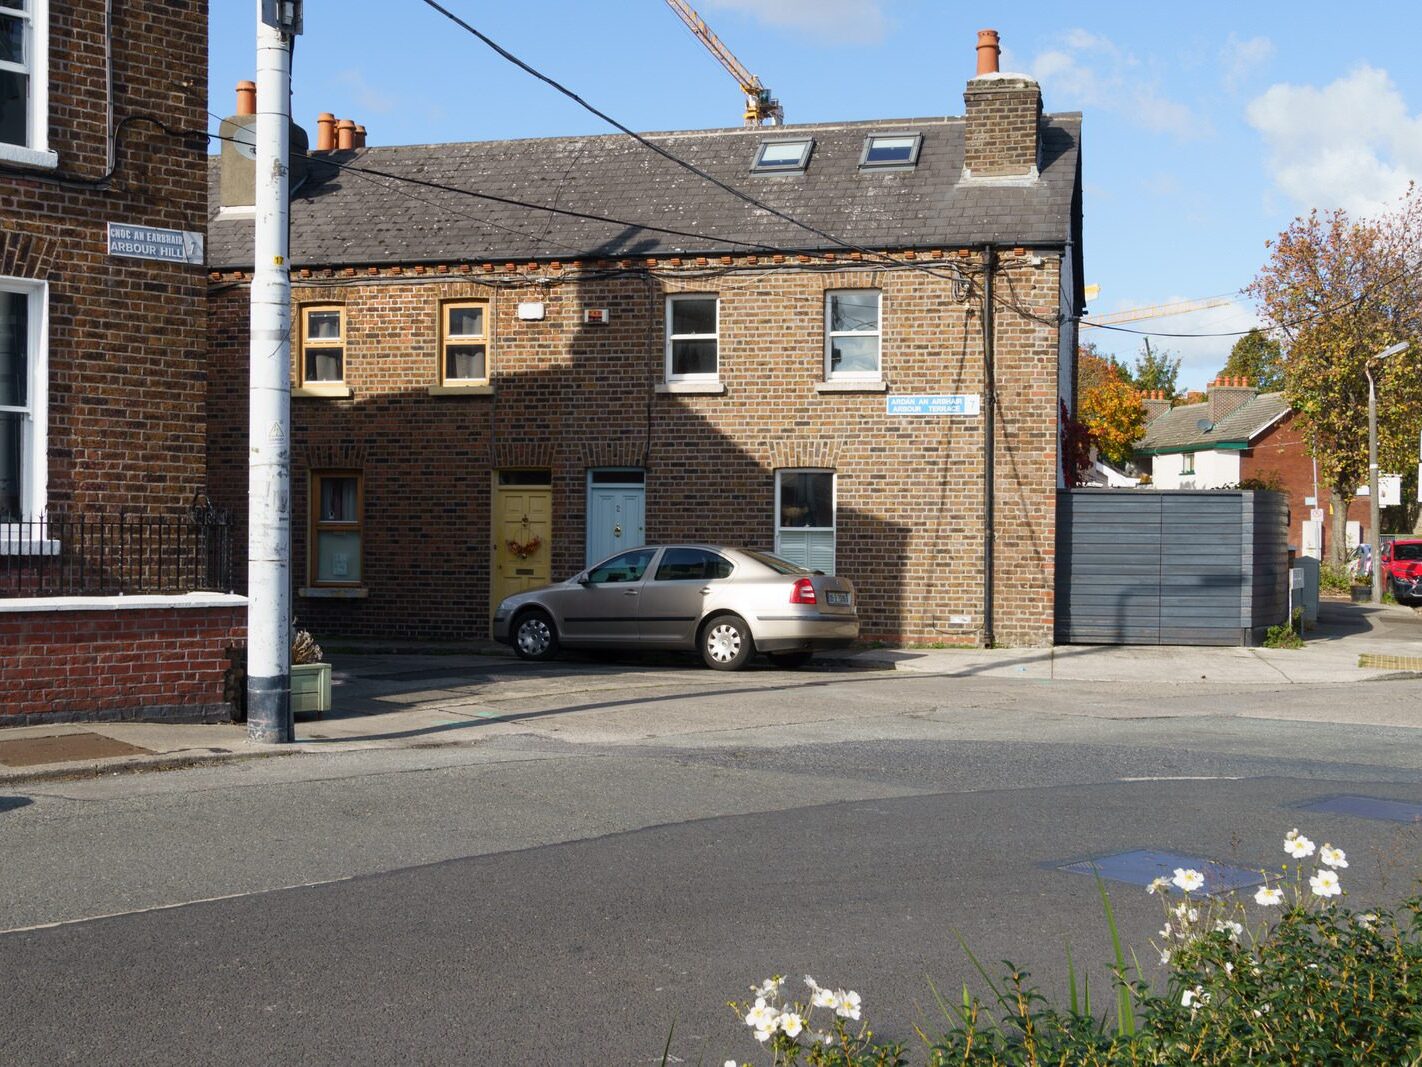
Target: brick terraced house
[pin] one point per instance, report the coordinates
(102, 373)
(488, 395)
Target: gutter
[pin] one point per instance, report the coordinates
(989, 446)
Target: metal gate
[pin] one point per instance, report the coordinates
(1170, 567)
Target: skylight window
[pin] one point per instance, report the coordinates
(783, 155)
(891, 150)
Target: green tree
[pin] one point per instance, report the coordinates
(1258, 357)
(1340, 290)
(1155, 370)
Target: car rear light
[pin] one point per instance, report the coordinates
(803, 592)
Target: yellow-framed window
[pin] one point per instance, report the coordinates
(337, 530)
(323, 343)
(464, 342)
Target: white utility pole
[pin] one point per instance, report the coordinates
(269, 457)
(1374, 511)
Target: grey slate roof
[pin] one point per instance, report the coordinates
(1177, 430)
(342, 218)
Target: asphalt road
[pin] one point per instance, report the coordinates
(609, 865)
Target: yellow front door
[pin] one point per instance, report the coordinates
(523, 531)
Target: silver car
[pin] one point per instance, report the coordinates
(726, 603)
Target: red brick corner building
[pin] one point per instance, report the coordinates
(487, 396)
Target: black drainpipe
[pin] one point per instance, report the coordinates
(989, 445)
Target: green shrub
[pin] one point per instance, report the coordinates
(1334, 578)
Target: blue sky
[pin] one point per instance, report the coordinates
(1208, 125)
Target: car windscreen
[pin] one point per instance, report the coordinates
(1407, 552)
(775, 563)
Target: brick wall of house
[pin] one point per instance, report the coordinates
(1283, 451)
(166, 664)
(126, 336)
(570, 397)
(1003, 119)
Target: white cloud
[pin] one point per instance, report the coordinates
(1241, 59)
(367, 97)
(1091, 71)
(836, 21)
(1351, 144)
(1201, 358)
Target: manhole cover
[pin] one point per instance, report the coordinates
(1143, 866)
(64, 748)
(1367, 808)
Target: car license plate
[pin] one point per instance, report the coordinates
(839, 600)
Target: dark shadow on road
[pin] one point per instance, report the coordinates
(11, 803)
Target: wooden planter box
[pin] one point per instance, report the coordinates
(310, 688)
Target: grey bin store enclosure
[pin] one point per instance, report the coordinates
(1170, 567)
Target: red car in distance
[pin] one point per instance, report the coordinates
(1402, 569)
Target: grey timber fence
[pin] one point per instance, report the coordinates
(1170, 567)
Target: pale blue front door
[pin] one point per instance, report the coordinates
(617, 506)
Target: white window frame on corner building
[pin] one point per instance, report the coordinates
(832, 529)
(877, 374)
(34, 428)
(35, 152)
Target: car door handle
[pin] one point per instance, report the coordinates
(629, 592)
(706, 590)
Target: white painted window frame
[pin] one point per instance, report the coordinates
(832, 530)
(34, 434)
(876, 375)
(672, 299)
(36, 152)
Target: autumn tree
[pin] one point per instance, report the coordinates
(1258, 357)
(1155, 369)
(1339, 290)
(1108, 406)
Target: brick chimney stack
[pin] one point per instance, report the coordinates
(1156, 403)
(1227, 395)
(1004, 117)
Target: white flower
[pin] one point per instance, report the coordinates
(811, 982)
(729, 1063)
(1268, 896)
(1367, 920)
(1230, 927)
(823, 998)
(1333, 857)
(823, 1037)
(1191, 996)
(768, 988)
(763, 1035)
(1262, 1010)
(1165, 956)
(1158, 884)
(1229, 967)
(1187, 879)
(1297, 846)
(762, 1016)
(791, 1023)
(1325, 884)
(847, 1004)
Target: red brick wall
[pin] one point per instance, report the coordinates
(569, 397)
(1282, 450)
(126, 338)
(130, 664)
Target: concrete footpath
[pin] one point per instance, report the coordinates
(423, 698)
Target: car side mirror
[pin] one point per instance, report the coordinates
(583, 579)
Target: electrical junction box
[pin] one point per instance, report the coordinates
(597, 316)
(531, 310)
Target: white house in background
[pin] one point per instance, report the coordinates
(1205, 445)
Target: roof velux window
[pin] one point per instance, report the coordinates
(891, 150)
(783, 155)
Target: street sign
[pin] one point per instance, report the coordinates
(941, 404)
(154, 242)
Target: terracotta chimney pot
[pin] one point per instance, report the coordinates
(345, 135)
(988, 52)
(325, 132)
(360, 136)
(246, 98)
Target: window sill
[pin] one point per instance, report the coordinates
(334, 592)
(706, 388)
(480, 389)
(329, 390)
(14, 544)
(29, 157)
(851, 385)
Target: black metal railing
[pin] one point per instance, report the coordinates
(94, 554)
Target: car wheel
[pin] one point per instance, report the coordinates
(534, 636)
(790, 660)
(726, 643)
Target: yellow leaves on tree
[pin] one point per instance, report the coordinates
(1109, 407)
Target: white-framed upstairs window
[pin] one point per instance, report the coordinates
(805, 518)
(853, 341)
(24, 83)
(24, 401)
(693, 343)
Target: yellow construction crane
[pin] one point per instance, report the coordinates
(761, 107)
(1156, 311)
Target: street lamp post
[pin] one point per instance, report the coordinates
(1374, 512)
